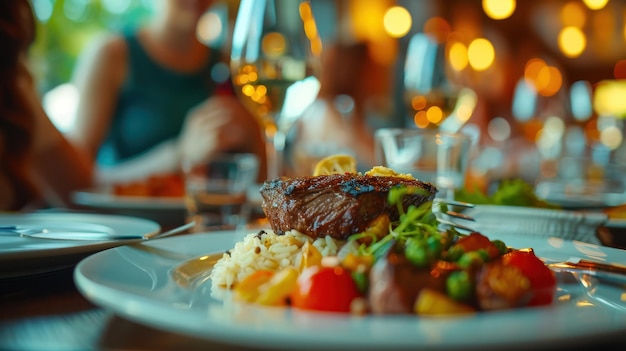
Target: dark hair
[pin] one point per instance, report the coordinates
(17, 32)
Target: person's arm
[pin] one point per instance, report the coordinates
(99, 74)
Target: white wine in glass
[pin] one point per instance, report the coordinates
(431, 97)
(275, 60)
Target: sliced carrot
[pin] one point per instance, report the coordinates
(248, 288)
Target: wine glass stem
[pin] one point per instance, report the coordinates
(275, 148)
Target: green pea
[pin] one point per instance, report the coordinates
(446, 238)
(484, 254)
(454, 253)
(416, 251)
(502, 248)
(470, 259)
(459, 285)
(434, 245)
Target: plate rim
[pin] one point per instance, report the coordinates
(39, 259)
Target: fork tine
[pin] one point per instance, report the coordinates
(455, 214)
(456, 203)
(453, 224)
(460, 216)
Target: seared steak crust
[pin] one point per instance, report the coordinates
(338, 205)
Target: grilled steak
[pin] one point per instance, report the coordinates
(338, 205)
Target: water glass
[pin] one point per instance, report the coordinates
(216, 191)
(427, 154)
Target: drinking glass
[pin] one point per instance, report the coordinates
(433, 98)
(216, 191)
(275, 59)
(428, 155)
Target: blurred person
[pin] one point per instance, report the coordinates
(38, 166)
(148, 102)
(337, 122)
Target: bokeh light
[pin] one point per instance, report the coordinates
(117, 7)
(524, 101)
(420, 119)
(481, 54)
(209, 28)
(76, 10)
(573, 15)
(545, 79)
(611, 137)
(457, 55)
(499, 9)
(572, 41)
(581, 100)
(549, 81)
(499, 129)
(310, 28)
(595, 4)
(619, 71)
(397, 21)
(437, 28)
(42, 9)
(60, 104)
(609, 98)
(274, 44)
(434, 114)
(550, 136)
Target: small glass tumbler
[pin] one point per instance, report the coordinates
(427, 154)
(216, 191)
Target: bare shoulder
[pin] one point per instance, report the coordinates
(104, 55)
(108, 45)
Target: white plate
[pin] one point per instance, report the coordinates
(23, 256)
(538, 222)
(142, 283)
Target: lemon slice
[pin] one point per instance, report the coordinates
(335, 164)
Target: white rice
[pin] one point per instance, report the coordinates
(266, 250)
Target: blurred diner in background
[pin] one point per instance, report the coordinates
(149, 100)
(534, 81)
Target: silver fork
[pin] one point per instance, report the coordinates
(443, 216)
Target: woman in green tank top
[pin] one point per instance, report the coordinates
(148, 99)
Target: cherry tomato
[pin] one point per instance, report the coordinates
(324, 288)
(542, 279)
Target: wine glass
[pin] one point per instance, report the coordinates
(275, 59)
(433, 98)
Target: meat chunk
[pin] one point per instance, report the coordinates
(500, 286)
(396, 282)
(338, 205)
